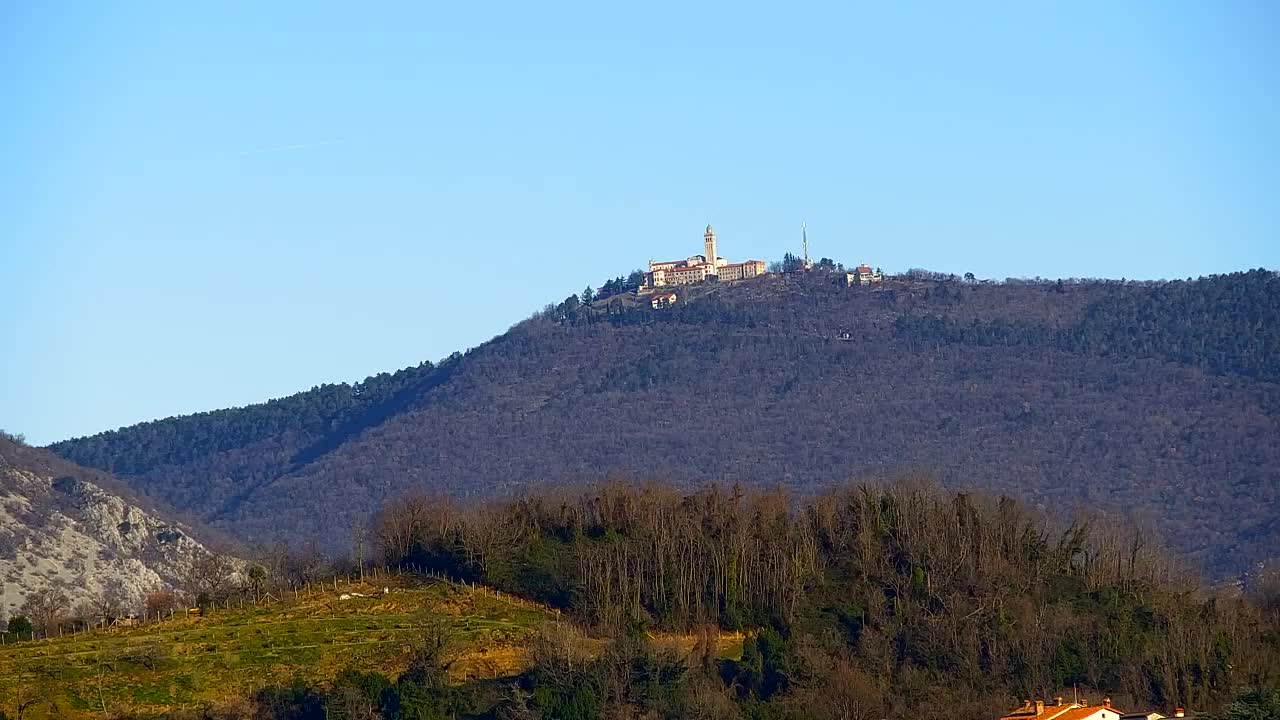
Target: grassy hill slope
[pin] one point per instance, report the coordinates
(197, 661)
(1155, 400)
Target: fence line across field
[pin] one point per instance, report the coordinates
(268, 599)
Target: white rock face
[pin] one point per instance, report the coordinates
(72, 534)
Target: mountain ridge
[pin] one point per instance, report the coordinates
(1084, 393)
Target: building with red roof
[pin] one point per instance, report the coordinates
(1060, 710)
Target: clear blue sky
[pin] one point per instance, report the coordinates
(212, 204)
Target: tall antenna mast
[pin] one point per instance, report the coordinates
(804, 236)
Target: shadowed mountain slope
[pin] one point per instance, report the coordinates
(1159, 400)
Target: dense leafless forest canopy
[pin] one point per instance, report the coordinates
(1157, 400)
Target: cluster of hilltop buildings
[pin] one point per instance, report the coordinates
(698, 268)
(709, 265)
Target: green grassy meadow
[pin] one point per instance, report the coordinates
(193, 661)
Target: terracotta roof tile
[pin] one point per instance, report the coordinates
(1066, 711)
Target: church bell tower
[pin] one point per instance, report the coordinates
(709, 248)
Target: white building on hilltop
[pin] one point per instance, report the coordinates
(698, 268)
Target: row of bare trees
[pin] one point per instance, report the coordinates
(50, 610)
(617, 553)
(204, 578)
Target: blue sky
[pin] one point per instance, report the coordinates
(206, 206)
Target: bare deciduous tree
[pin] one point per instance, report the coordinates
(359, 538)
(110, 604)
(46, 608)
(159, 601)
(208, 576)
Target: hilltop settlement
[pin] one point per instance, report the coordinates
(710, 266)
(658, 282)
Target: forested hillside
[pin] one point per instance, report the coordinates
(1155, 400)
(887, 600)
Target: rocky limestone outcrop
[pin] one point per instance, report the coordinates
(69, 533)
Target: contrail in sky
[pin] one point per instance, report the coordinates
(285, 148)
